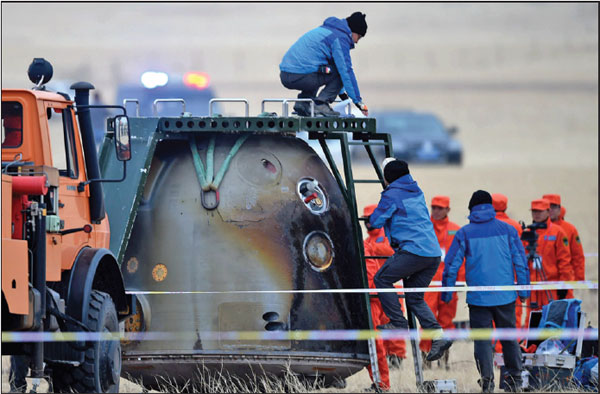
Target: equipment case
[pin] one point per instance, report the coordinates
(544, 371)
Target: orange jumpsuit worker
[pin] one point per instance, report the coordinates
(577, 256)
(380, 246)
(376, 312)
(553, 248)
(377, 244)
(445, 231)
(500, 202)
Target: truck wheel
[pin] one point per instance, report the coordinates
(101, 369)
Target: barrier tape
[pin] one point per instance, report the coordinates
(546, 286)
(310, 335)
(547, 282)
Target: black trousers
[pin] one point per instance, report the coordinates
(504, 317)
(309, 84)
(416, 271)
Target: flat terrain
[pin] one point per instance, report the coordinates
(518, 80)
(523, 145)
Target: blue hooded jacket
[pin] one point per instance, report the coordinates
(329, 43)
(403, 214)
(494, 253)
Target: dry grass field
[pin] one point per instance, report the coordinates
(522, 144)
(519, 81)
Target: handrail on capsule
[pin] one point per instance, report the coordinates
(227, 100)
(173, 100)
(269, 100)
(137, 105)
(286, 107)
(348, 106)
(284, 104)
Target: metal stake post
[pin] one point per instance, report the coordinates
(414, 344)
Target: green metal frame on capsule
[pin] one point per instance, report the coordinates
(125, 196)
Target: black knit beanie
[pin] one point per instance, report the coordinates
(480, 197)
(394, 170)
(357, 23)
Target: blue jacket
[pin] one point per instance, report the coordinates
(329, 43)
(494, 253)
(403, 214)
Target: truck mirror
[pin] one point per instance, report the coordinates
(122, 138)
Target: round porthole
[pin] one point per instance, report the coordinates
(312, 195)
(318, 250)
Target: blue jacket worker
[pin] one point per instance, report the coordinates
(494, 254)
(321, 57)
(403, 213)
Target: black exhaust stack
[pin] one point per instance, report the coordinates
(82, 98)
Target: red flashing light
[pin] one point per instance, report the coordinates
(197, 80)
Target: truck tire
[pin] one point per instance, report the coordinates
(101, 369)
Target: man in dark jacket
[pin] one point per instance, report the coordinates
(404, 216)
(493, 253)
(322, 57)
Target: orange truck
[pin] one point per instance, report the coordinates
(58, 274)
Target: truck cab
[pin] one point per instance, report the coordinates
(58, 273)
(47, 141)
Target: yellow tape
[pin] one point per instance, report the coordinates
(307, 335)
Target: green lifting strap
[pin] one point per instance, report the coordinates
(206, 178)
(198, 164)
(210, 153)
(225, 165)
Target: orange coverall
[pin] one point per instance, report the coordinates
(444, 313)
(553, 248)
(377, 244)
(577, 256)
(504, 217)
(501, 215)
(376, 312)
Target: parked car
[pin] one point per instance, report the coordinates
(417, 137)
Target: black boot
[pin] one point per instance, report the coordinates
(302, 108)
(486, 384)
(391, 326)
(325, 110)
(514, 384)
(438, 347)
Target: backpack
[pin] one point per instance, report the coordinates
(562, 314)
(583, 374)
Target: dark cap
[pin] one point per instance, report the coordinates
(357, 23)
(394, 170)
(480, 197)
